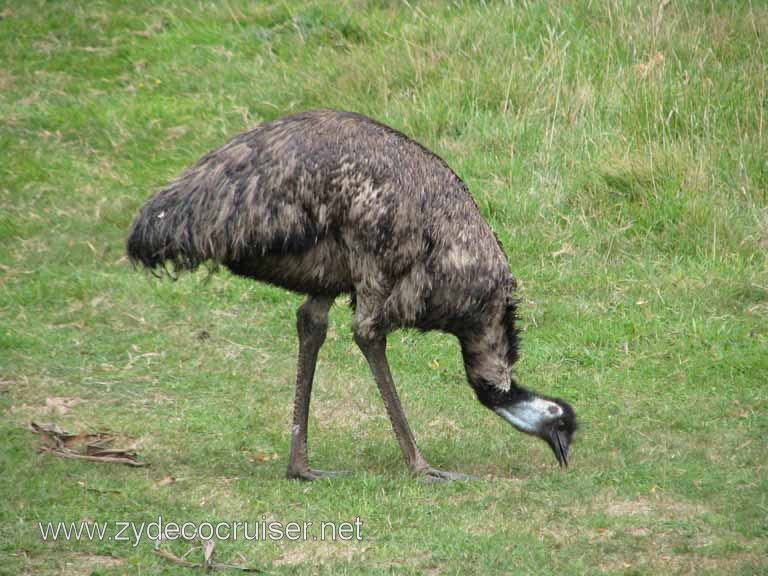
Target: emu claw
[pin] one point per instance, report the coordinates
(435, 475)
(311, 474)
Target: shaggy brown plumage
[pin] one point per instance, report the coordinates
(327, 202)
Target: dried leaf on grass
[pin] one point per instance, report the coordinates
(168, 479)
(175, 559)
(264, 457)
(95, 447)
(207, 564)
(208, 546)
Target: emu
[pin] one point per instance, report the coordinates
(328, 202)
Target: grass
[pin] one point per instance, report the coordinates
(617, 148)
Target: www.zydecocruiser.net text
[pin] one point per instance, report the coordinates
(160, 529)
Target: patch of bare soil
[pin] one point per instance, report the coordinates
(82, 564)
(317, 552)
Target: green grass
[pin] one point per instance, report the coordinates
(619, 154)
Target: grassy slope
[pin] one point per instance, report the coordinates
(619, 154)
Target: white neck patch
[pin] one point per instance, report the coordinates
(529, 416)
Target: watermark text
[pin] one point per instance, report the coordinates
(160, 529)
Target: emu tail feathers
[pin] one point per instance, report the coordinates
(166, 230)
(201, 216)
(241, 200)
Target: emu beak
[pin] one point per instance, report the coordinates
(559, 443)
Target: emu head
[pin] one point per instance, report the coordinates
(551, 419)
(490, 351)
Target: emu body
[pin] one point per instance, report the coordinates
(325, 203)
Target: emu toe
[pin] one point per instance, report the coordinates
(435, 475)
(310, 474)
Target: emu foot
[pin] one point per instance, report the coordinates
(434, 475)
(310, 474)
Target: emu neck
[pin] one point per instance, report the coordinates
(489, 353)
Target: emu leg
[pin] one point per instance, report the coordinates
(311, 324)
(375, 353)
